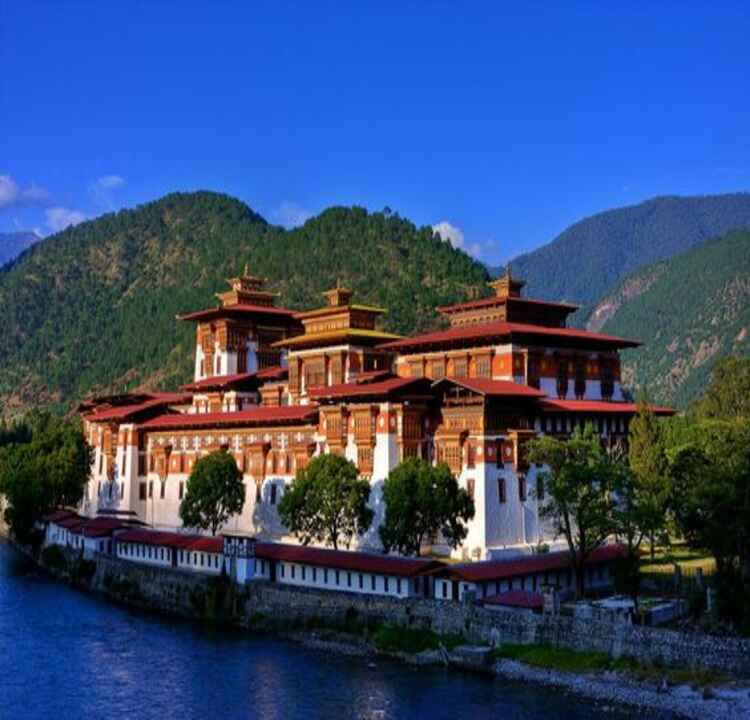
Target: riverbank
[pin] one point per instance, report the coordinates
(438, 634)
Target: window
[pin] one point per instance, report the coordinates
(482, 367)
(325, 575)
(372, 582)
(470, 487)
(385, 583)
(162, 490)
(110, 489)
(282, 569)
(522, 488)
(348, 579)
(304, 573)
(540, 487)
(445, 589)
(361, 581)
(142, 491)
(151, 488)
(337, 577)
(501, 489)
(580, 378)
(398, 586)
(438, 369)
(459, 368)
(315, 574)
(416, 369)
(293, 569)
(273, 494)
(101, 461)
(182, 490)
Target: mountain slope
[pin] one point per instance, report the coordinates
(689, 311)
(590, 257)
(93, 307)
(13, 244)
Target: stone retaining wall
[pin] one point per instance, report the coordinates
(188, 594)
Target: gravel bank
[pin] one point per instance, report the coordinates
(617, 689)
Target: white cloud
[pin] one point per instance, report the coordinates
(291, 215)
(103, 190)
(11, 194)
(58, 218)
(109, 182)
(450, 233)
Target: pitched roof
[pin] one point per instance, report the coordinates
(346, 560)
(598, 406)
(260, 415)
(122, 413)
(527, 564)
(493, 388)
(487, 332)
(238, 309)
(341, 335)
(251, 378)
(379, 388)
(495, 300)
(175, 540)
(516, 598)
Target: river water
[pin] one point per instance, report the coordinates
(65, 654)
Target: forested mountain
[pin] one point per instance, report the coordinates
(93, 307)
(586, 261)
(13, 244)
(690, 311)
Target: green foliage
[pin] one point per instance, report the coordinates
(578, 483)
(690, 312)
(215, 492)
(554, 658)
(710, 467)
(728, 395)
(586, 260)
(390, 638)
(48, 468)
(421, 501)
(645, 490)
(93, 307)
(54, 558)
(327, 502)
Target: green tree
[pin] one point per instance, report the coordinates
(48, 468)
(327, 502)
(728, 395)
(577, 482)
(649, 487)
(422, 500)
(215, 492)
(711, 505)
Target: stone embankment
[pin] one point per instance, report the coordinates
(297, 612)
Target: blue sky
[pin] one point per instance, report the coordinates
(505, 121)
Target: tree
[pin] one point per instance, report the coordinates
(648, 463)
(327, 502)
(422, 500)
(214, 493)
(577, 486)
(728, 395)
(48, 467)
(711, 504)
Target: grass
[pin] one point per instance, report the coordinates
(389, 638)
(561, 659)
(666, 557)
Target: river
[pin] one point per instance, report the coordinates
(65, 654)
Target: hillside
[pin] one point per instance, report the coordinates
(586, 261)
(690, 311)
(13, 244)
(93, 307)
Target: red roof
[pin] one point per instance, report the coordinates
(239, 308)
(527, 564)
(494, 300)
(125, 412)
(221, 381)
(369, 389)
(345, 560)
(260, 415)
(180, 541)
(598, 406)
(57, 515)
(516, 598)
(485, 332)
(494, 388)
